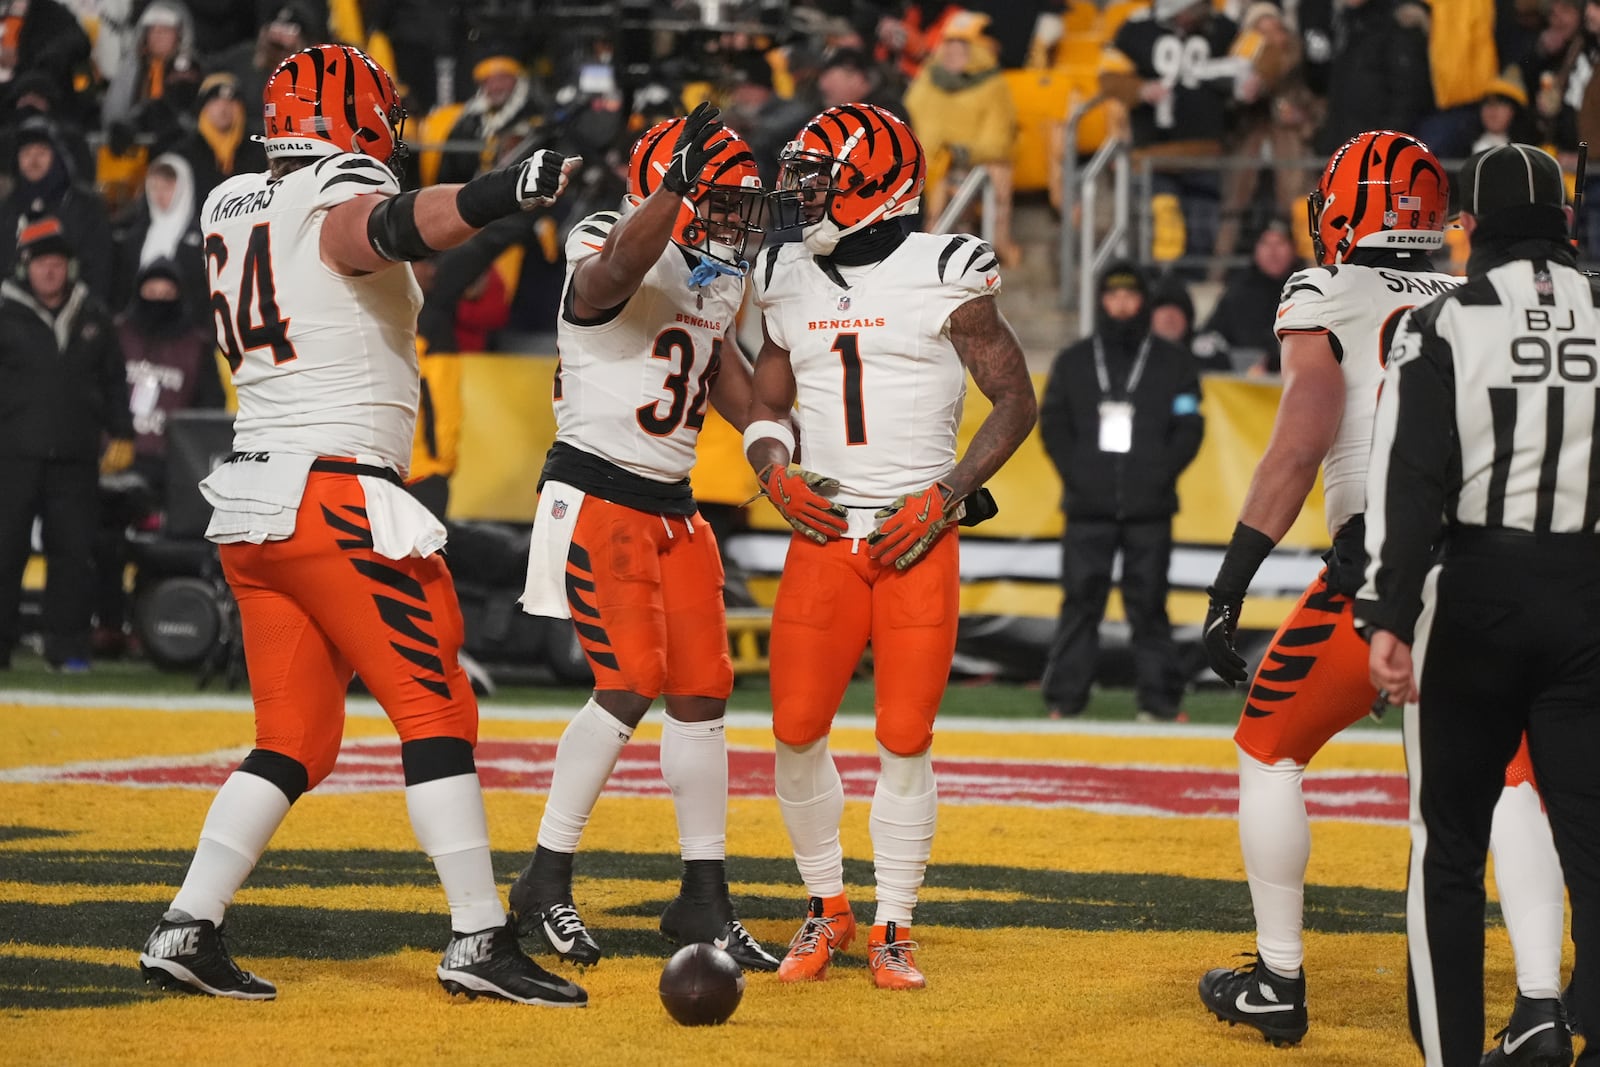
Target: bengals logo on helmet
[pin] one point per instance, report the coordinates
(333, 98)
(1381, 189)
(848, 168)
(723, 209)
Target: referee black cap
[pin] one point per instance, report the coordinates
(1510, 176)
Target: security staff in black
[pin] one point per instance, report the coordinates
(1486, 457)
(1121, 420)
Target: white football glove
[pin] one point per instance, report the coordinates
(542, 177)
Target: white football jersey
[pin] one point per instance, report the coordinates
(1359, 308)
(324, 364)
(880, 386)
(633, 384)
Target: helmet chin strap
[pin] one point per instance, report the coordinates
(711, 269)
(823, 236)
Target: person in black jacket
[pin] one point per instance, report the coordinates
(1120, 420)
(1241, 325)
(1379, 77)
(63, 389)
(46, 185)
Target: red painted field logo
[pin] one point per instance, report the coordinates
(373, 764)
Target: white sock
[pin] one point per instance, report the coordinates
(447, 817)
(811, 797)
(905, 807)
(245, 813)
(588, 750)
(1527, 873)
(1275, 837)
(694, 764)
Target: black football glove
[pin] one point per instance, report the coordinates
(542, 177)
(690, 154)
(1222, 622)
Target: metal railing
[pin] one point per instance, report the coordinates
(1083, 254)
(976, 183)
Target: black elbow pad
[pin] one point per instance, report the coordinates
(392, 229)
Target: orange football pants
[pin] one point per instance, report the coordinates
(321, 606)
(832, 600)
(646, 597)
(1313, 682)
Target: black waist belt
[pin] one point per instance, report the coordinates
(1506, 541)
(331, 466)
(606, 480)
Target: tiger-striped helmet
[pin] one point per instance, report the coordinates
(1381, 189)
(724, 207)
(333, 98)
(851, 166)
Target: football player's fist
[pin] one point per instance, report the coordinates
(908, 528)
(1222, 622)
(801, 497)
(690, 153)
(542, 177)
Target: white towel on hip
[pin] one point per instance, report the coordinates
(255, 497)
(545, 592)
(401, 525)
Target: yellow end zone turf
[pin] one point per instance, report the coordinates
(1049, 934)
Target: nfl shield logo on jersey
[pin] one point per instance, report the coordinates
(844, 303)
(1543, 284)
(558, 509)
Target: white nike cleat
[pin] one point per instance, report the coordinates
(1257, 996)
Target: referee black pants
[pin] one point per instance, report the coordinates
(1512, 642)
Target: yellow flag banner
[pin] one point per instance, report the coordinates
(1010, 565)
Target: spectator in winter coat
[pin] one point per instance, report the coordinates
(217, 148)
(1379, 76)
(164, 223)
(1239, 332)
(41, 37)
(1120, 420)
(156, 83)
(963, 113)
(766, 120)
(63, 391)
(502, 112)
(46, 185)
(294, 26)
(35, 96)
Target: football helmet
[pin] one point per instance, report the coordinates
(848, 168)
(1381, 189)
(723, 209)
(333, 98)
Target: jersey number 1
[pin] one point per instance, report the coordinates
(256, 286)
(848, 345)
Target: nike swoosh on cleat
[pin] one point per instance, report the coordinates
(556, 942)
(1244, 1005)
(1512, 1046)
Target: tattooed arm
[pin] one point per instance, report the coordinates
(989, 348)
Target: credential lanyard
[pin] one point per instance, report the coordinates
(1134, 375)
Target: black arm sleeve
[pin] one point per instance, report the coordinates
(1414, 452)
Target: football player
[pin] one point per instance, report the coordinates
(870, 333)
(1376, 214)
(646, 340)
(335, 568)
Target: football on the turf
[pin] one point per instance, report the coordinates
(701, 985)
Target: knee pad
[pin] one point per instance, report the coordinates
(905, 776)
(428, 759)
(287, 773)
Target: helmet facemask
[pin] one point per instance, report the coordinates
(809, 185)
(725, 217)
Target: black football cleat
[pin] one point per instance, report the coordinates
(187, 955)
(492, 964)
(559, 926)
(1256, 996)
(1536, 1036)
(687, 921)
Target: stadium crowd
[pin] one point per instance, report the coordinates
(118, 117)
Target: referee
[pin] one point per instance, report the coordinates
(1487, 446)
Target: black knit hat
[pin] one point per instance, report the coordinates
(1123, 274)
(1508, 177)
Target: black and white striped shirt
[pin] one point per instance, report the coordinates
(1487, 417)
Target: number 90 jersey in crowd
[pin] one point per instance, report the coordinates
(324, 364)
(1359, 308)
(633, 383)
(879, 384)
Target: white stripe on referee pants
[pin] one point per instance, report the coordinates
(1416, 907)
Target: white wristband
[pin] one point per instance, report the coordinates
(767, 429)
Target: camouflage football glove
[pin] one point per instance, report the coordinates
(801, 497)
(908, 528)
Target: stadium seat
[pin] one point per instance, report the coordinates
(1041, 98)
(435, 127)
